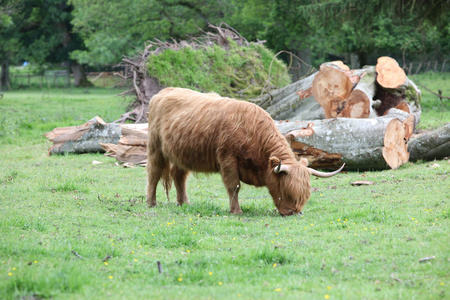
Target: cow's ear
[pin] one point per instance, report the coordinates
(273, 162)
(304, 161)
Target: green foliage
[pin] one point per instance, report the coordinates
(237, 71)
(111, 29)
(361, 27)
(251, 18)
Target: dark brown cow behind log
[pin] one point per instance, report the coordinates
(191, 131)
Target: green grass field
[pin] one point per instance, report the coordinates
(73, 230)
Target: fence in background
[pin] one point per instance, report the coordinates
(429, 66)
(62, 78)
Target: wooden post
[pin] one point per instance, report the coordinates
(418, 68)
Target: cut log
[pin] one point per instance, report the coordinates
(395, 89)
(341, 65)
(136, 155)
(363, 144)
(360, 101)
(331, 88)
(390, 75)
(406, 97)
(296, 101)
(84, 138)
(431, 145)
(89, 137)
(293, 102)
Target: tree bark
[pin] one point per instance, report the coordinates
(84, 138)
(5, 82)
(293, 102)
(359, 103)
(80, 78)
(362, 144)
(431, 145)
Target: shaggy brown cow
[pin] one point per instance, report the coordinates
(191, 131)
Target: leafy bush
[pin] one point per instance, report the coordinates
(235, 71)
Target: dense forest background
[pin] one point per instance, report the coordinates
(95, 34)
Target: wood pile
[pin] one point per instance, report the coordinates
(337, 91)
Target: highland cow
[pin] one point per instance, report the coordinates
(192, 131)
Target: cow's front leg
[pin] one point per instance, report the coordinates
(230, 177)
(235, 208)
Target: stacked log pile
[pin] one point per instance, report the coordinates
(337, 91)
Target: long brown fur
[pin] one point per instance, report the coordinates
(192, 131)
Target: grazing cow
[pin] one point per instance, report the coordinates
(192, 131)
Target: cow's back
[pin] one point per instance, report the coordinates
(191, 128)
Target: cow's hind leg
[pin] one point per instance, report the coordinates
(157, 166)
(230, 177)
(179, 177)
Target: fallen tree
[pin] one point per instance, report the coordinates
(431, 145)
(362, 144)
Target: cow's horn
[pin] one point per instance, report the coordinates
(281, 168)
(322, 174)
(277, 168)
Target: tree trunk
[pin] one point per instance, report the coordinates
(80, 78)
(359, 103)
(84, 138)
(354, 61)
(431, 145)
(293, 102)
(362, 144)
(5, 83)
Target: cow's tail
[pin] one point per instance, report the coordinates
(167, 180)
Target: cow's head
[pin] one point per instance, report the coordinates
(290, 185)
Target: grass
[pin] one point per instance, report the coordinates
(73, 230)
(436, 111)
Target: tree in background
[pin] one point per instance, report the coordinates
(363, 27)
(10, 42)
(100, 33)
(112, 29)
(41, 33)
(48, 36)
(353, 30)
(6, 10)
